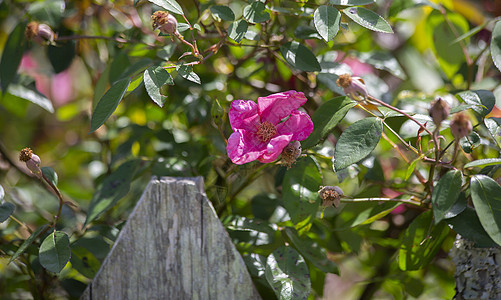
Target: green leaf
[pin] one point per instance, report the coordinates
(357, 142)
(300, 190)
(362, 213)
(136, 68)
(496, 45)
(470, 142)
(450, 56)
(47, 11)
(411, 167)
(330, 80)
(108, 103)
(28, 242)
(252, 231)
(468, 226)
(326, 117)
(237, 30)
(486, 196)
(382, 61)
(445, 193)
(55, 251)
(421, 242)
(287, 273)
(170, 5)
(326, 20)
(368, 19)
(306, 32)
(119, 64)
(398, 6)
(222, 12)
(50, 174)
(154, 79)
(61, 56)
(351, 2)
(33, 96)
(483, 162)
(458, 207)
(494, 128)
(113, 188)
(311, 251)
(2, 193)
(11, 55)
(482, 101)
(84, 261)
(300, 57)
(187, 73)
(6, 209)
(256, 13)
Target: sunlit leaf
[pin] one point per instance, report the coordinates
(287, 273)
(326, 117)
(445, 193)
(300, 57)
(357, 142)
(33, 96)
(108, 103)
(222, 12)
(486, 196)
(421, 242)
(154, 80)
(2, 193)
(326, 20)
(84, 261)
(496, 45)
(11, 55)
(351, 2)
(237, 30)
(470, 142)
(362, 213)
(483, 162)
(55, 251)
(170, 5)
(256, 12)
(482, 101)
(187, 73)
(368, 19)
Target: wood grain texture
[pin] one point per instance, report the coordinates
(173, 246)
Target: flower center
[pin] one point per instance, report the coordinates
(265, 131)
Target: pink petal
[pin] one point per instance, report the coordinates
(299, 124)
(243, 147)
(275, 147)
(275, 107)
(243, 115)
(62, 88)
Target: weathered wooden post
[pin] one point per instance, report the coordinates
(173, 246)
(478, 270)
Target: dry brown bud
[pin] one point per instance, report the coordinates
(461, 125)
(164, 21)
(25, 154)
(353, 87)
(439, 111)
(32, 161)
(290, 153)
(330, 195)
(40, 33)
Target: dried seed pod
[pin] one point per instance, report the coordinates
(330, 195)
(32, 161)
(439, 111)
(461, 125)
(290, 153)
(353, 87)
(164, 21)
(40, 33)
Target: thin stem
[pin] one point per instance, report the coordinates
(21, 223)
(409, 201)
(99, 37)
(61, 201)
(409, 146)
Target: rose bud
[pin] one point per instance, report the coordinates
(164, 21)
(40, 33)
(461, 125)
(439, 111)
(353, 87)
(32, 161)
(330, 195)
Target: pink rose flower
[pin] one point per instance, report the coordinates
(260, 132)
